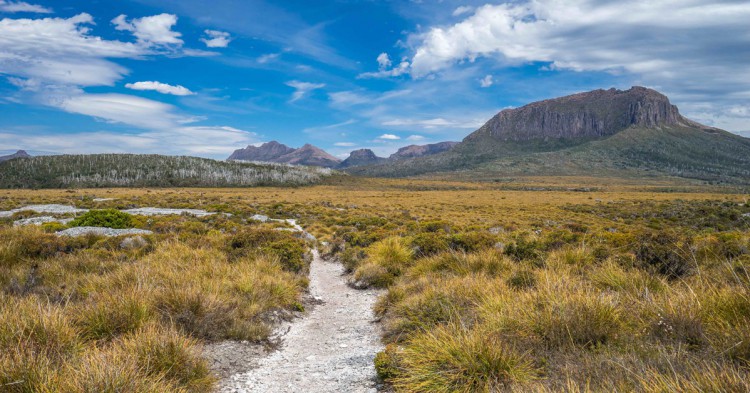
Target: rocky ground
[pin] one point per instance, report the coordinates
(330, 349)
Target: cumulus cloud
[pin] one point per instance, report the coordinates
(151, 30)
(415, 138)
(384, 61)
(486, 81)
(21, 6)
(384, 70)
(160, 87)
(61, 51)
(389, 137)
(302, 89)
(216, 39)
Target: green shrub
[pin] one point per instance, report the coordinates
(281, 244)
(386, 363)
(472, 241)
(523, 249)
(522, 279)
(664, 252)
(427, 244)
(108, 218)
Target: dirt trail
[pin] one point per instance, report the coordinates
(331, 349)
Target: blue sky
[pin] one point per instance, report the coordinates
(204, 78)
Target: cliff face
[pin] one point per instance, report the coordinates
(361, 157)
(592, 114)
(413, 151)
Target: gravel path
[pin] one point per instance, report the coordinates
(331, 349)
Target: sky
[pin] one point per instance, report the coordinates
(203, 78)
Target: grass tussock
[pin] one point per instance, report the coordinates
(99, 315)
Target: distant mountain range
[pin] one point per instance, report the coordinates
(18, 154)
(313, 156)
(635, 132)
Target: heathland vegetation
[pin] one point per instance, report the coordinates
(489, 287)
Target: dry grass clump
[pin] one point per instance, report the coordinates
(387, 259)
(91, 315)
(575, 321)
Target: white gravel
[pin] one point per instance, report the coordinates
(109, 232)
(47, 209)
(331, 349)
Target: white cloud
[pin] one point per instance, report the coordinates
(438, 122)
(486, 81)
(389, 137)
(216, 39)
(345, 144)
(267, 58)
(205, 141)
(61, 52)
(383, 71)
(384, 61)
(21, 6)
(126, 109)
(302, 89)
(415, 138)
(160, 87)
(151, 30)
(464, 9)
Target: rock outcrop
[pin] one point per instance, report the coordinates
(593, 114)
(361, 157)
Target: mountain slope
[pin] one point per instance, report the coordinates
(131, 170)
(604, 132)
(18, 154)
(309, 155)
(359, 158)
(413, 151)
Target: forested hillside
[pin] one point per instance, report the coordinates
(129, 170)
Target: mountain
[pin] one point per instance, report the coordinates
(359, 158)
(635, 132)
(266, 152)
(136, 170)
(413, 151)
(309, 155)
(18, 154)
(279, 153)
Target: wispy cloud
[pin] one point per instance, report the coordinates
(301, 89)
(21, 6)
(389, 137)
(160, 87)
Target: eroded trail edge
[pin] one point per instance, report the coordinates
(331, 349)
